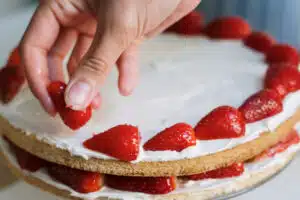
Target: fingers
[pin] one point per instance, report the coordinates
(128, 70)
(185, 7)
(59, 51)
(35, 45)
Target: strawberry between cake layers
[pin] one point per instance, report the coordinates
(204, 74)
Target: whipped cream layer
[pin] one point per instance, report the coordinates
(181, 80)
(227, 185)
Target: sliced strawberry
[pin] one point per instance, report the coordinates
(261, 105)
(26, 160)
(176, 138)
(259, 41)
(14, 58)
(222, 123)
(284, 78)
(149, 185)
(234, 170)
(282, 53)
(121, 142)
(231, 27)
(11, 81)
(74, 119)
(291, 139)
(191, 24)
(78, 180)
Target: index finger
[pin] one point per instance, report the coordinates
(38, 39)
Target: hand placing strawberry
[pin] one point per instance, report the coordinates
(222, 123)
(259, 41)
(176, 138)
(78, 180)
(74, 119)
(228, 28)
(122, 142)
(149, 185)
(234, 170)
(261, 105)
(282, 53)
(284, 78)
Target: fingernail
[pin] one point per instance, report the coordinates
(78, 95)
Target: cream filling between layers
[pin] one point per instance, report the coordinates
(228, 184)
(182, 80)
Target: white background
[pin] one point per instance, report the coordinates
(285, 186)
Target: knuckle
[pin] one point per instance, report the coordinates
(96, 66)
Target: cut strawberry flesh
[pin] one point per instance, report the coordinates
(234, 170)
(149, 185)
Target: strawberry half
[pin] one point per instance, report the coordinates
(284, 78)
(234, 170)
(175, 138)
(261, 105)
(26, 160)
(121, 142)
(11, 81)
(14, 58)
(291, 139)
(222, 123)
(259, 41)
(231, 27)
(282, 53)
(74, 119)
(149, 185)
(78, 180)
(191, 24)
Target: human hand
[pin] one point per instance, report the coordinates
(106, 32)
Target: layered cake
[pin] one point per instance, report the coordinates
(216, 111)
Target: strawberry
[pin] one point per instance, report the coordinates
(261, 105)
(11, 81)
(14, 58)
(121, 142)
(259, 41)
(282, 53)
(291, 139)
(176, 138)
(231, 27)
(26, 160)
(234, 170)
(284, 78)
(191, 24)
(74, 119)
(78, 180)
(149, 185)
(222, 123)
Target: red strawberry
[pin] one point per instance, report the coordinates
(176, 138)
(121, 142)
(259, 41)
(78, 180)
(72, 118)
(261, 105)
(223, 122)
(14, 58)
(282, 53)
(11, 81)
(236, 169)
(149, 185)
(284, 78)
(191, 24)
(231, 27)
(26, 160)
(293, 138)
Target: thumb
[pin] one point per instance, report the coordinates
(93, 69)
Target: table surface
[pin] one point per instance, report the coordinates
(12, 27)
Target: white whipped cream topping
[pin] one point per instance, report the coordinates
(182, 186)
(182, 80)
